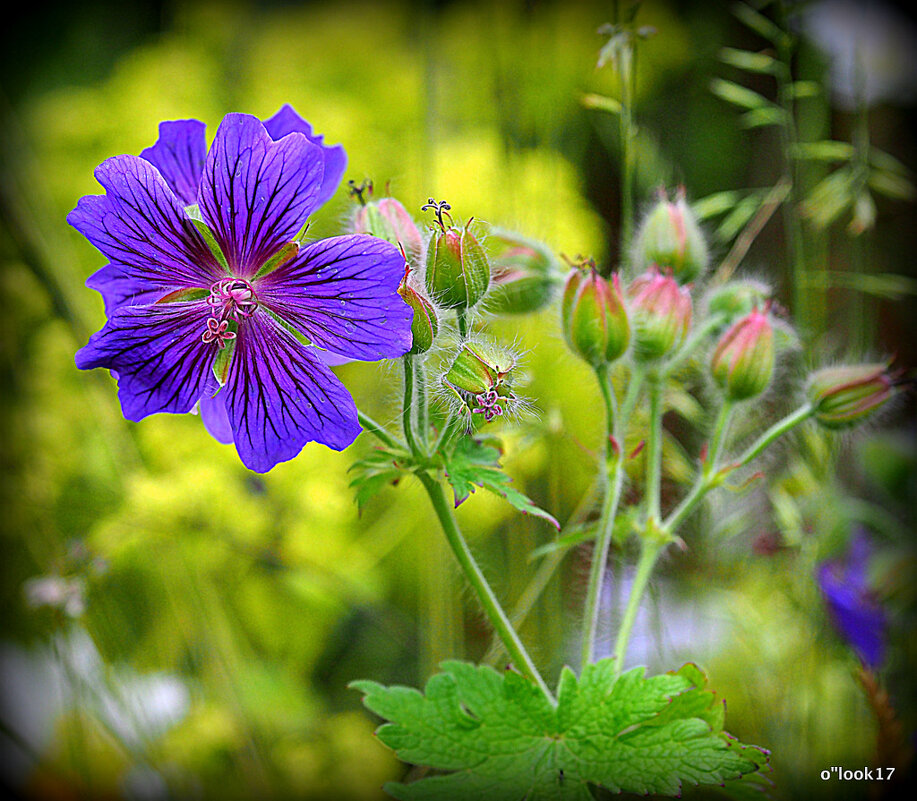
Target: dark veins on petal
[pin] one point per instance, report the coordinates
(340, 293)
(157, 351)
(255, 193)
(179, 155)
(279, 397)
(141, 226)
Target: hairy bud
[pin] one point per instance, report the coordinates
(594, 317)
(388, 219)
(844, 396)
(481, 378)
(660, 313)
(671, 238)
(743, 361)
(458, 273)
(525, 274)
(425, 324)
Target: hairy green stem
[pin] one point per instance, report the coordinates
(377, 430)
(654, 448)
(707, 481)
(698, 335)
(495, 614)
(612, 480)
(649, 553)
(408, 410)
(462, 321)
(718, 438)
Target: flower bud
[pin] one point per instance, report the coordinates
(594, 317)
(458, 272)
(388, 219)
(743, 361)
(844, 396)
(671, 238)
(481, 376)
(738, 298)
(660, 312)
(425, 324)
(525, 274)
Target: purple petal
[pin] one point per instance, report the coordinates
(179, 155)
(279, 396)
(256, 194)
(119, 289)
(161, 362)
(141, 226)
(342, 294)
(332, 359)
(215, 418)
(288, 121)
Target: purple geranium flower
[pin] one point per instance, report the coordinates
(856, 614)
(210, 296)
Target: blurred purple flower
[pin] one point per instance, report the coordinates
(856, 614)
(183, 311)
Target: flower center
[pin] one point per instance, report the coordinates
(232, 298)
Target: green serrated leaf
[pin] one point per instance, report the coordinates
(379, 469)
(500, 739)
(475, 463)
(749, 61)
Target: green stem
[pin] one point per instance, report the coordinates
(778, 429)
(498, 619)
(423, 424)
(654, 448)
(407, 411)
(627, 157)
(718, 438)
(708, 481)
(692, 343)
(612, 480)
(650, 550)
(462, 321)
(378, 431)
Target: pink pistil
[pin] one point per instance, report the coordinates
(216, 332)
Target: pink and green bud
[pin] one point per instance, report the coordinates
(425, 324)
(743, 361)
(458, 272)
(387, 219)
(481, 377)
(844, 396)
(594, 317)
(660, 313)
(671, 238)
(525, 274)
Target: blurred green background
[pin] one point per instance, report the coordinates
(176, 626)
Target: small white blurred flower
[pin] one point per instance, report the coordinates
(66, 594)
(872, 49)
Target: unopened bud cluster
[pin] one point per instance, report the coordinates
(480, 378)
(671, 238)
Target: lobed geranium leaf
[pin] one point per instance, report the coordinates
(378, 469)
(475, 462)
(497, 738)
